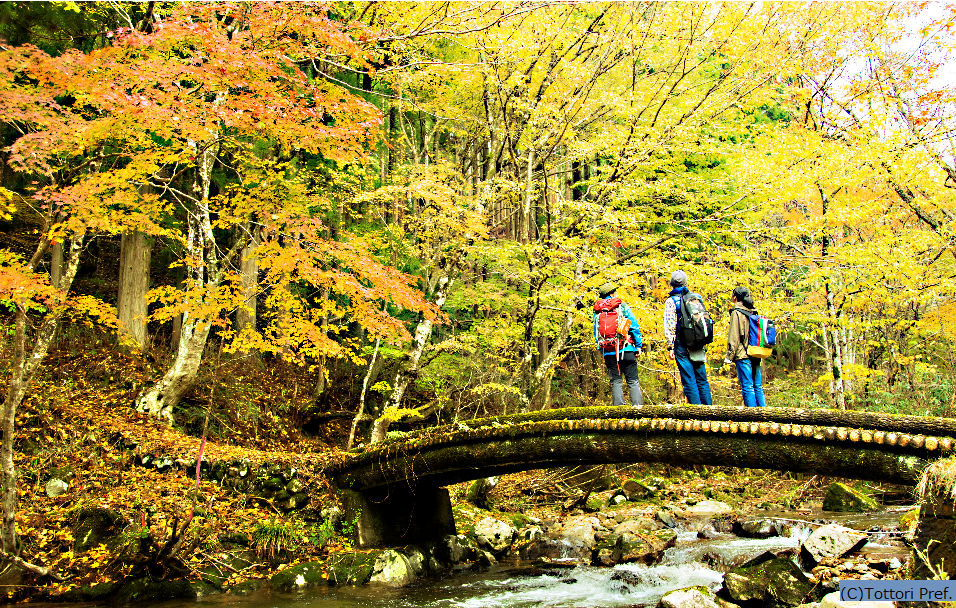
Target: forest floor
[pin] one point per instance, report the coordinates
(77, 424)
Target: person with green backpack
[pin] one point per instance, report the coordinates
(743, 350)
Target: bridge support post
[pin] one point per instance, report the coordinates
(934, 543)
(398, 515)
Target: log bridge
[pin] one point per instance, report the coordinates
(394, 489)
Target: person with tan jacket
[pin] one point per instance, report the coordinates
(748, 368)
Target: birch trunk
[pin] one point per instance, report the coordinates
(361, 407)
(22, 371)
(408, 372)
(203, 279)
(836, 365)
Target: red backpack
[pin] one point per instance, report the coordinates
(613, 326)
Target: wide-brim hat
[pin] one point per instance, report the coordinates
(607, 289)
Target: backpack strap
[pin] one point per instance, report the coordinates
(747, 314)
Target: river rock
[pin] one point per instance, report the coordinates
(552, 549)
(636, 490)
(530, 533)
(578, 531)
(756, 528)
(667, 518)
(392, 569)
(495, 535)
(56, 487)
(636, 526)
(646, 548)
(486, 559)
(769, 580)
(416, 559)
(691, 597)
(708, 508)
(845, 499)
(616, 499)
(832, 600)
(453, 549)
(830, 540)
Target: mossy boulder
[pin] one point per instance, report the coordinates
(478, 491)
(93, 526)
(772, 581)
(147, 590)
(636, 490)
(351, 568)
(248, 587)
(301, 576)
(88, 593)
(646, 548)
(844, 499)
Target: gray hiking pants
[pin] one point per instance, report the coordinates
(620, 370)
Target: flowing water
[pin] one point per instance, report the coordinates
(512, 584)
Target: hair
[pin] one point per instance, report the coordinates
(743, 296)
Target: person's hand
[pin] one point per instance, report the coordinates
(670, 353)
(638, 353)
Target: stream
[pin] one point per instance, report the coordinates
(513, 584)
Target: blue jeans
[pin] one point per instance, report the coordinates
(626, 366)
(693, 377)
(751, 385)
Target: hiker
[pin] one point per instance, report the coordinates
(738, 336)
(691, 358)
(620, 350)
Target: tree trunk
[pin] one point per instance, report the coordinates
(135, 248)
(22, 370)
(408, 372)
(836, 354)
(839, 394)
(249, 271)
(524, 225)
(56, 264)
(361, 407)
(160, 400)
(543, 372)
(203, 278)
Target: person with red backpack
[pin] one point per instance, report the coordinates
(688, 329)
(738, 350)
(618, 338)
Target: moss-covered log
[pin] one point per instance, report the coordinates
(858, 445)
(914, 425)
(444, 464)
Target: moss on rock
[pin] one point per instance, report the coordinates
(353, 568)
(301, 576)
(95, 525)
(844, 499)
